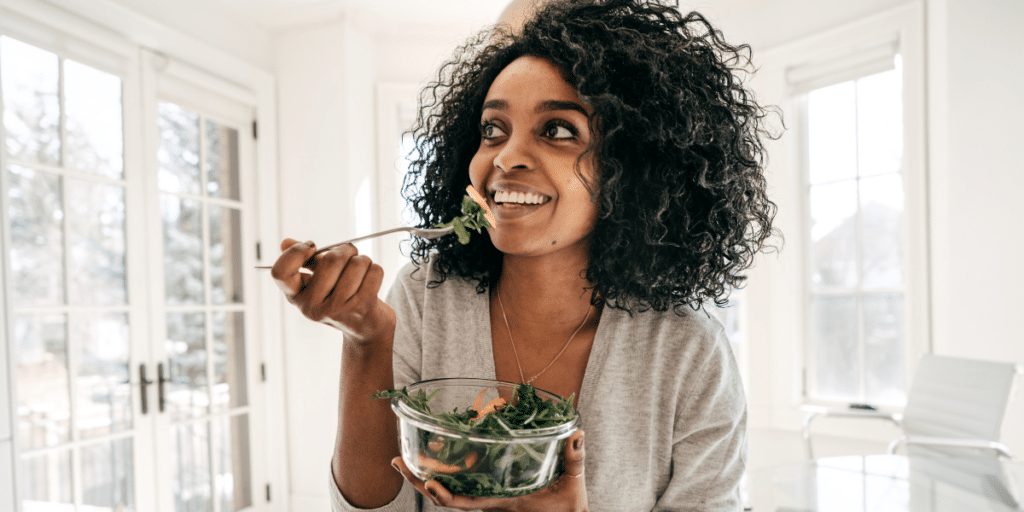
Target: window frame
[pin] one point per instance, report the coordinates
(779, 288)
(799, 108)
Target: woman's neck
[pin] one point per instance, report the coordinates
(550, 290)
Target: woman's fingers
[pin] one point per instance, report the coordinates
(355, 273)
(399, 464)
(442, 497)
(285, 271)
(330, 270)
(342, 290)
(574, 455)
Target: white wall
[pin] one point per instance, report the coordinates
(977, 176)
(327, 76)
(310, 64)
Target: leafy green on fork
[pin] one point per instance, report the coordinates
(475, 216)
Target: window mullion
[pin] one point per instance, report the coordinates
(71, 352)
(859, 245)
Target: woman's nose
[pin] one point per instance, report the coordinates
(516, 154)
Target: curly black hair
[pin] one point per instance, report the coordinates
(679, 150)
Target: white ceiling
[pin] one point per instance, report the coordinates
(761, 23)
(278, 14)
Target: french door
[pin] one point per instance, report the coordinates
(127, 223)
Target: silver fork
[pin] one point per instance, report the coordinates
(428, 233)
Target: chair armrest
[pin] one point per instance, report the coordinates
(1000, 448)
(814, 412)
(828, 412)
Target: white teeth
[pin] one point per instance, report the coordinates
(518, 197)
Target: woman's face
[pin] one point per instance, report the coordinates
(534, 127)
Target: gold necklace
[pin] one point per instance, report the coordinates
(516, 352)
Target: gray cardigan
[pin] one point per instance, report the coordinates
(662, 403)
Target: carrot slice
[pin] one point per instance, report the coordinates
(437, 466)
(479, 402)
(436, 444)
(479, 199)
(490, 407)
(440, 467)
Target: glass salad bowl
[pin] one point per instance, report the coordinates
(482, 437)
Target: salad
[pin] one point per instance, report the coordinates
(476, 215)
(482, 450)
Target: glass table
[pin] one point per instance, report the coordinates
(889, 483)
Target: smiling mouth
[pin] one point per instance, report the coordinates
(504, 198)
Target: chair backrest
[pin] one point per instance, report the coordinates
(954, 397)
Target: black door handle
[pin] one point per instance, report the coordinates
(143, 383)
(160, 380)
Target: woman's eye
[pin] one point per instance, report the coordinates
(559, 131)
(490, 131)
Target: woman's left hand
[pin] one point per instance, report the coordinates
(566, 494)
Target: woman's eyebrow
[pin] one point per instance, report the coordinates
(546, 106)
(550, 105)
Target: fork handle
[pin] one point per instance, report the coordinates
(365, 237)
(359, 239)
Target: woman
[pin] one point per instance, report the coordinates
(623, 159)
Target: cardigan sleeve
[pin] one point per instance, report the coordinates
(709, 439)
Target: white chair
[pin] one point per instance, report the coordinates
(953, 404)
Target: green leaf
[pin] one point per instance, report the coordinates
(460, 230)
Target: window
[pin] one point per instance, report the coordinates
(861, 190)
(128, 206)
(855, 199)
(69, 302)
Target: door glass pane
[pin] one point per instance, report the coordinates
(93, 120)
(234, 489)
(191, 463)
(834, 235)
(832, 133)
(97, 244)
(103, 394)
(44, 400)
(107, 477)
(883, 349)
(229, 360)
(30, 81)
(837, 361)
(882, 223)
(225, 255)
(183, 250)
(221, 161)
(37, 241)
(205, 339)
(879, 123)
(179, 150)
(186, 392)
(44, 482)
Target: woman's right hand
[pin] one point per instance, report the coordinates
(341, 292)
